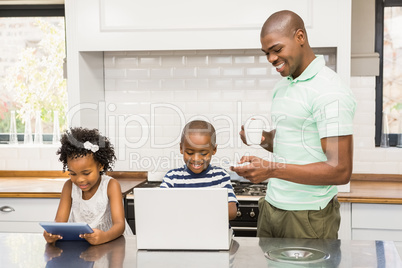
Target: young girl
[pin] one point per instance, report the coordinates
(89, 195)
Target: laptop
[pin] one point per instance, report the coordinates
(182, 219)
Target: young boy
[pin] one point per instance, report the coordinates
(198, 145)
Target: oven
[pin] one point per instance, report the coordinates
(247, 194)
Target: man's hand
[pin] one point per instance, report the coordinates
(267, 139)
(257, 170)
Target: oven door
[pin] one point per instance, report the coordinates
(245, 223)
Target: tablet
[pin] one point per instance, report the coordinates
(68, 230)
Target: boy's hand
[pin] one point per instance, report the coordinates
(51, 238)
(93, 238)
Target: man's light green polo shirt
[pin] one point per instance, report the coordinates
(313, 106)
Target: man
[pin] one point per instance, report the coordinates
(312, 142)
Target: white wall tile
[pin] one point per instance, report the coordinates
(196, 83)
(162, 96)
(173, 84)
(232, 72)
(394, 154)
(185, 95)
(363, 142)
(110, 84)
(196, 60)
(220, 83)
(184, 72)
(370, 155)
(124, 62)
(221, 59)
(126, 84)
(174, 61)
(193, 107)
(9, 152)
(149, 61)
(157, 73)
(364, 118)
(41, 165)
(115, 73)
(17, 164)
(137, 73)
(257, 71)
(362, 167)
(234, 95)
(224, 87)
(109, 62)
(386, 167)
(222, 107)
(244, 59)
(3, 164)
(150, 84)
(244, 83)
(366, 106)
(209, 72)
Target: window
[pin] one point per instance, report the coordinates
(31, 67)
(388, 44)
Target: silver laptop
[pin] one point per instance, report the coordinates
(182, 219)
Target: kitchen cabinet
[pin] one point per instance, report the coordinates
(345, 227)
(377, 222)
(24, 214)
(29, 197)
(124, 25)
(96, 26)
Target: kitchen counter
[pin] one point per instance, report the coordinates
(364, 188)
(374, 188)
(31, 250)
(48, 184)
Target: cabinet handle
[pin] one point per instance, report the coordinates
(6, 209)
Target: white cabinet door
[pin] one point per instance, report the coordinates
(115, 25)
(377, 222)
(345, 228)
(24, 214)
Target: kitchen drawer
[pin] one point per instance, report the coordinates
(29, 209)
(20, 227)
(376, 234)
(377, 216)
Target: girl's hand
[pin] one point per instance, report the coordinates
(94, 238)
(50, 238)
(51, 252)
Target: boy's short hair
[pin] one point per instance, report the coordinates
(201, 127)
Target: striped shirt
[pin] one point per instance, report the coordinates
(212, 177)
(313, 106)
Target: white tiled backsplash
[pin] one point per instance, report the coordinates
(151, 95)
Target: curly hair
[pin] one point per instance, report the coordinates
(72, 146)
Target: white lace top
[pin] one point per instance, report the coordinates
(95, 211)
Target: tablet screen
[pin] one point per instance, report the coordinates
(68, 230)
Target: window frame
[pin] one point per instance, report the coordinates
(56, 10)
(379, 48)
